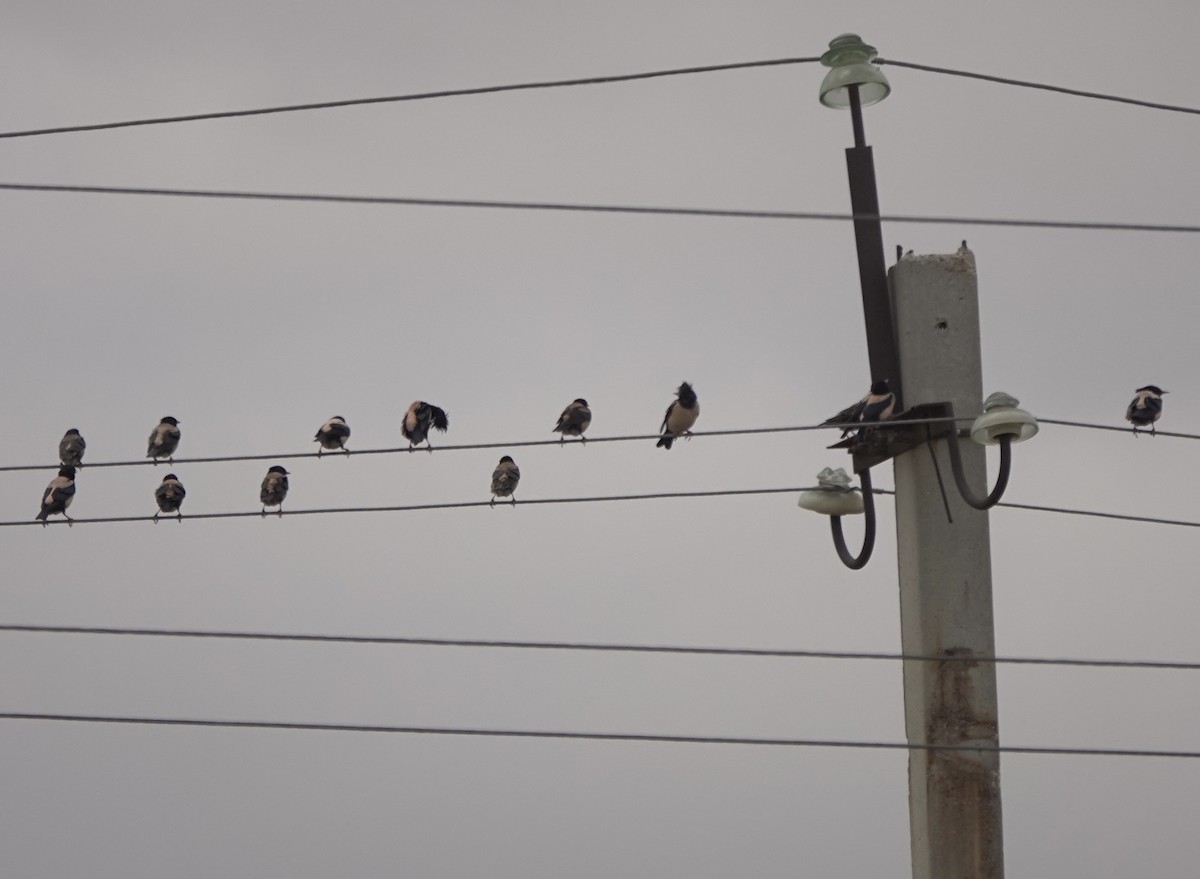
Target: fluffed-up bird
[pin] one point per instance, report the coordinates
(878, 405)
(274, 489)
(164, 439)
(680, 417)
(169, 496)
(58, 495)
(70, 448)
(419, 418)
(1146, 408)
(333, 435)
(504, 479)
(574, 420)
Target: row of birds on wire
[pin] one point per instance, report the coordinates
(418, 421)
(420, 418)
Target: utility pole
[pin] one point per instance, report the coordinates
(945, 582)
(926, 337)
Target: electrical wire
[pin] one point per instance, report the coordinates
(562, 83)
(565, 500)
(1041, 508)
(595, 647)
(641, 437)
(254, 514)
(595, 736)
(418, 96)
(1125, 430)
(1154, 105)
(599, 208)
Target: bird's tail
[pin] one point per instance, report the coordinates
(440, 420)
(665, 442)
(41, 517)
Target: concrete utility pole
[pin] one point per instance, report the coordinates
(946, 582)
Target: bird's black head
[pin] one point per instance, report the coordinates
(68, 472)
(687, 395)
(337, 418)
(1154, 389)
(507, 460)
(170, 477)
(74, 431)
(880, 387)
(171, 421)
(278, 469)
(581, 401)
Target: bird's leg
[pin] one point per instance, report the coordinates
(1153, 432)
(583, 439)
(264, 512)
(280, 513)
(514, 500)
(429, 446)
(492, 504)
(1135, 431)
(179, 517)
(562, 438)
(346, 450)
(156, 518)
(70, 521)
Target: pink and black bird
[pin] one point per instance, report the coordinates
(1146, 408)
(58, 495)
(333, 435)
(164, 440)
(169, 496)
(504, 479)
(574, 420)
(418, 421)
(878, 405)
(274, 489)
(71, 448)
(681, 415)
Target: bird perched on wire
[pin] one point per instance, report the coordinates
(169, 495)
(680, 417)
(574, 420)
(504, 479)
(164, 439)
(274, 489)
(333, 435)
(58, 495)
(1146, 408)
(419, 418)
(878, 405)
(70, 448)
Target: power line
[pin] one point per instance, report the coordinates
(562, 83)
(418, 96)
(641, 437)
(599, 208)
(1041, 508)
(1174, 108)
(516, 444)
(1125, 430)
(254, 514)
(251, 514)
(591, 736)
(592, 647)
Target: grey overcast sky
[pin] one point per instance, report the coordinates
(253, 322)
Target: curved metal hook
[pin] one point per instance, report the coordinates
(960, 478)
(839, 540)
